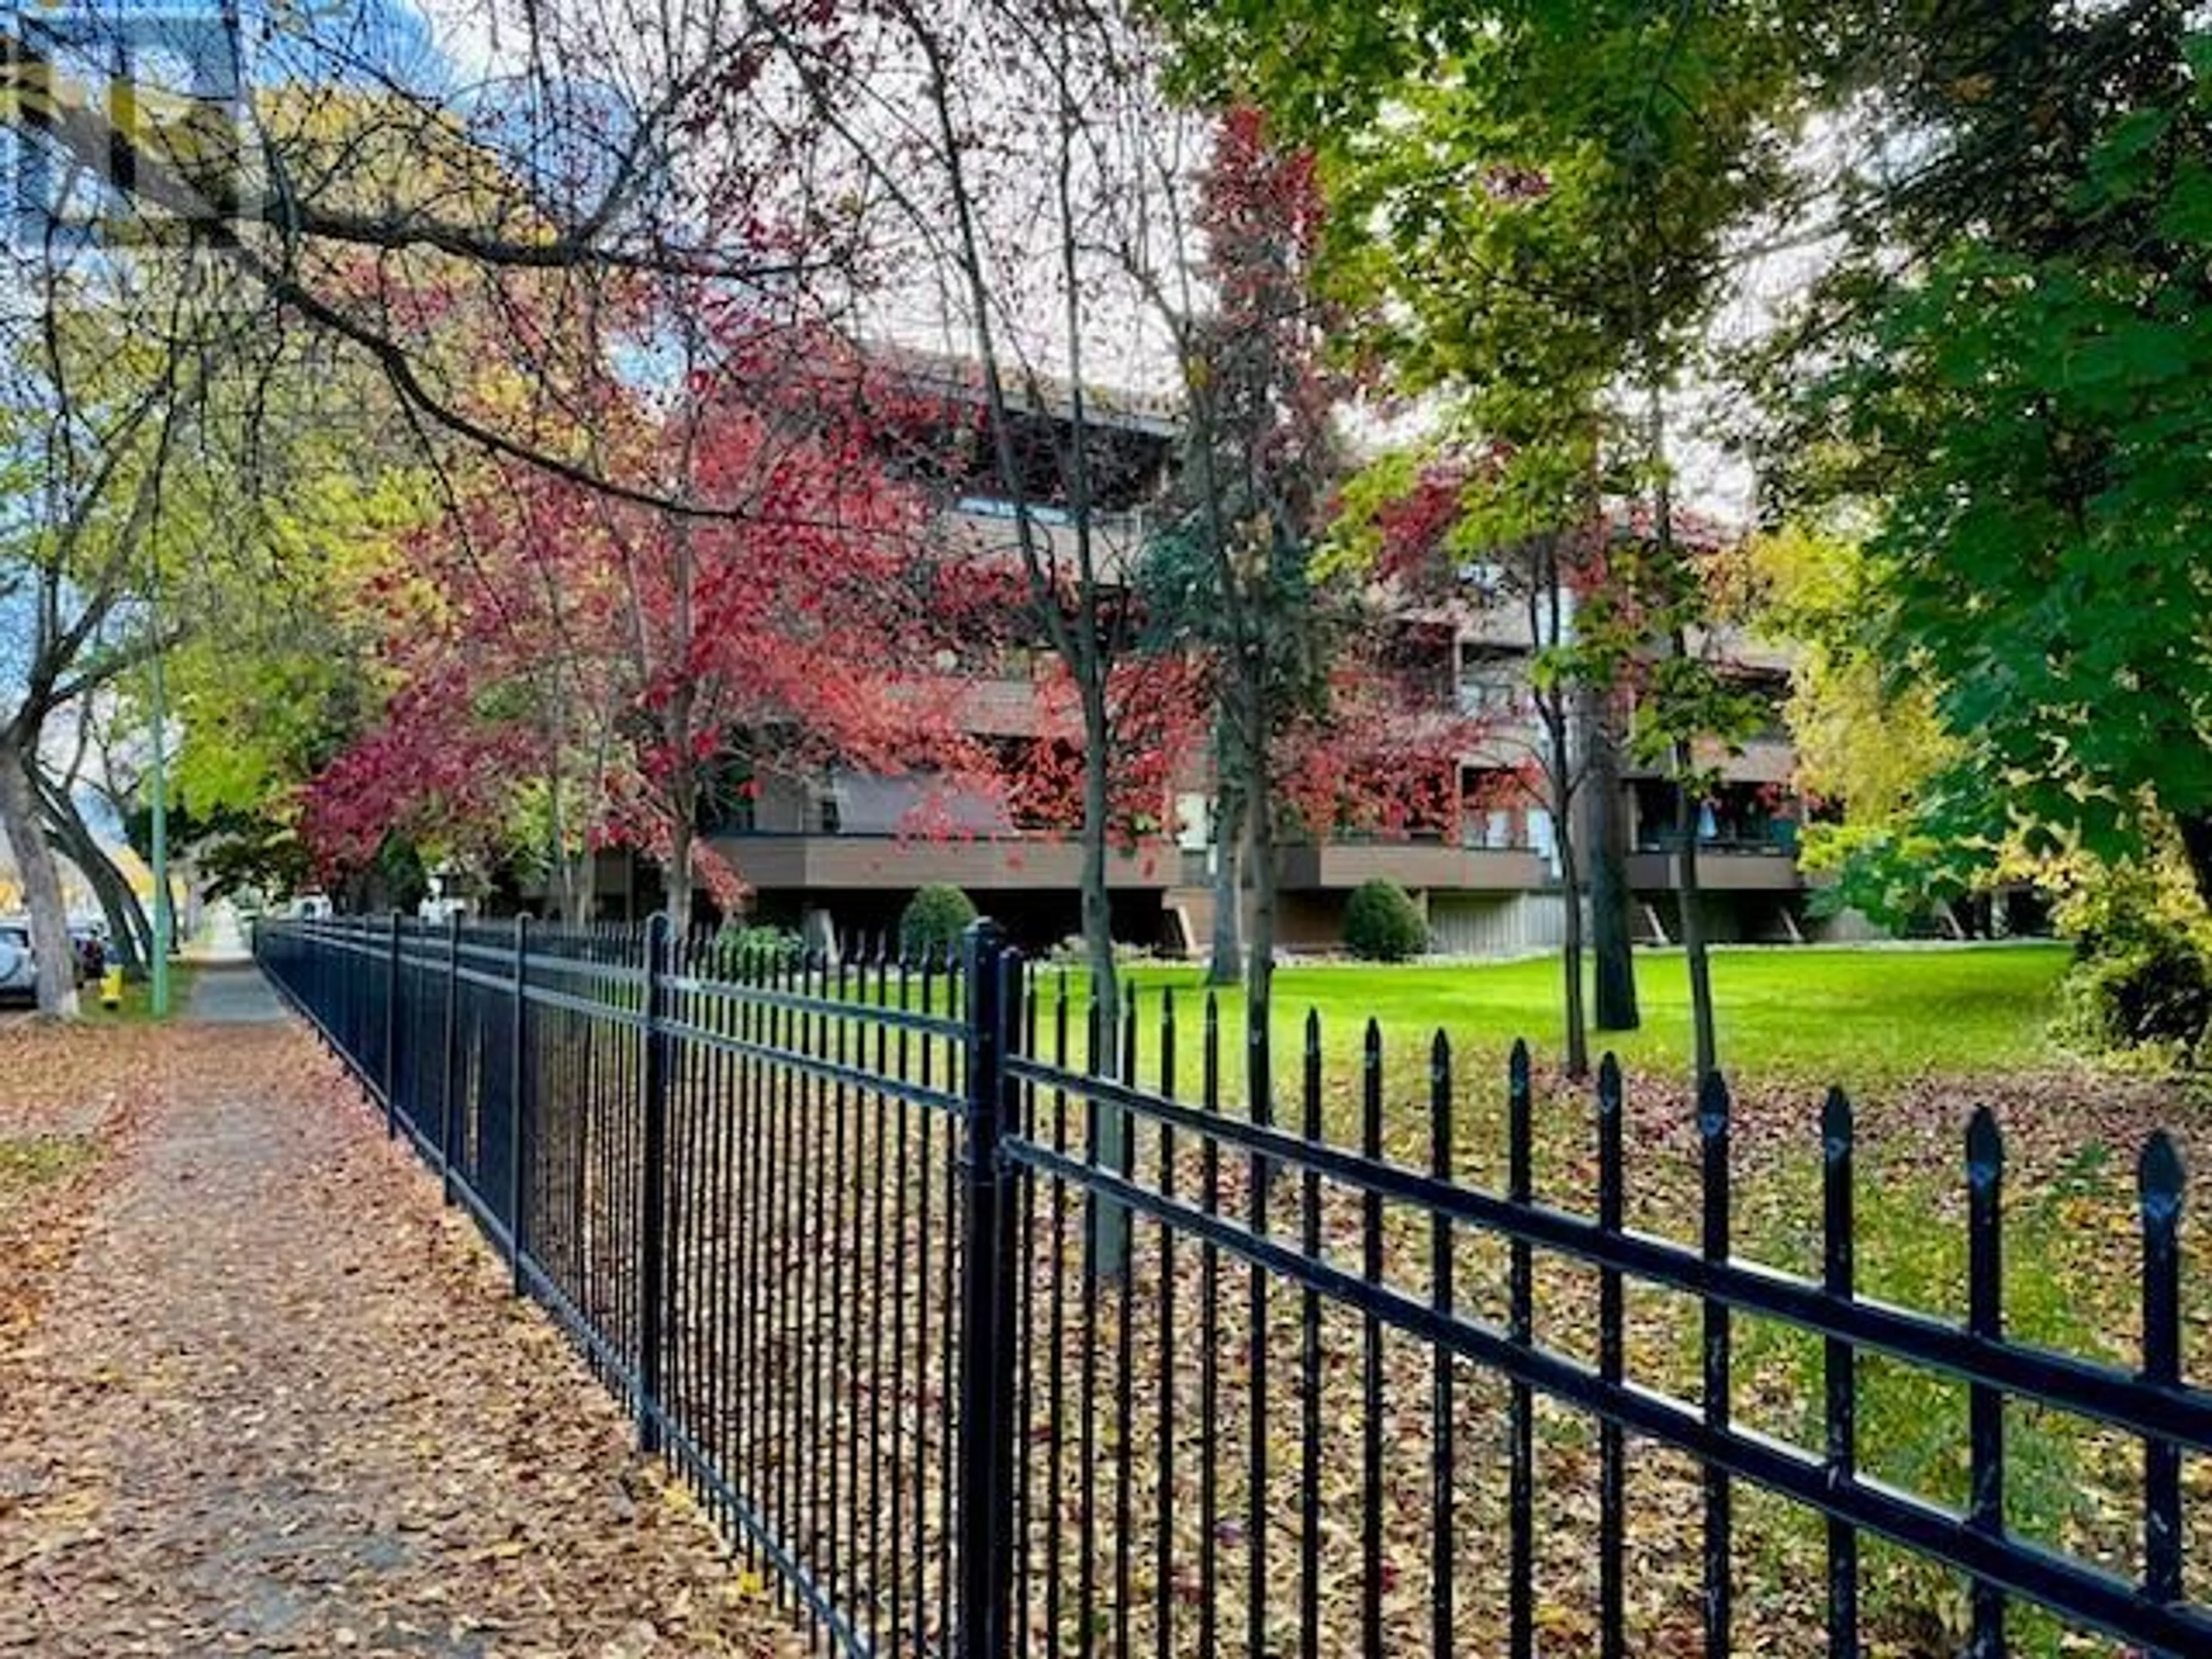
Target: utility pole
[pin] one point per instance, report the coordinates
(157, 780)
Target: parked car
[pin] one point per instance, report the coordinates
(19, 968)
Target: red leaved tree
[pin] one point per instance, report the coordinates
(620, 655)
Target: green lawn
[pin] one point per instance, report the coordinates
(137, 1005)
(1853, 1016)
(1918, 1036)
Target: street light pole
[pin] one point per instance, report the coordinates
(164, 923)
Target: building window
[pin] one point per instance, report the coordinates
(1493, 680)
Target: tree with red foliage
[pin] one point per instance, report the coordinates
(1160, 703)
(623, 654)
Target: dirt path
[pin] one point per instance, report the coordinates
(278, 1401)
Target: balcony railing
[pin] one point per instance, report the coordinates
(1778, 840)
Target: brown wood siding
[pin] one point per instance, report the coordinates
(831, 863)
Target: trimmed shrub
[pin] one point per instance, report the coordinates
(1382, 923)
(2153, 992)
(933, 921)
(2143, 971)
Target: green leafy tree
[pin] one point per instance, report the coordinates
(2022, 406)
(1870, 743)
(89, 419)
(1535, 199)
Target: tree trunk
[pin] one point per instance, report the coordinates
(1557, 710)
(1259, 878)
(1606, 849)
(127, 925)
(560, 870)
(1570, 963)
(1570, 897)
(1691, 913)
(1110, 1232)
(42, 886)
(583, 883)
(2195, 830)
(1226, 964)
(1098, 910)
(677, 900)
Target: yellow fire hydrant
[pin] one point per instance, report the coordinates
(111, 987)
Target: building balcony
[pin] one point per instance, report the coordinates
(1723, 867)
(990, 529)
(1769, 758)
(824, 862)
(1419, 864)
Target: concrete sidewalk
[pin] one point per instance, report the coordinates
(280, 1401)
(222, 941)
(232, 994)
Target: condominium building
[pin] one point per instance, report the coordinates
(840, 852)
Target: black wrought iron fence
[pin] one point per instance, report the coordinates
(973, 1348)
(734, 1181)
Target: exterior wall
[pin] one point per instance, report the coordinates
(1767, 759)
(1740, 917)
(825, 862)
(1312, 923)
(1116, 538)
(1186, 914)
(1718, 872)
(1495, 924)
(1415, 866)
(783, 807)
(1037, 920)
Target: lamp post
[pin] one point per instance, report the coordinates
(157, 780)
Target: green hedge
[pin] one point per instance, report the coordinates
(933, 921)
(1382, 923)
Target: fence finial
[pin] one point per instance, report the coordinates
(1985, 1148)
(1836, 1127)
(2160, 1177)
(1608, 1080)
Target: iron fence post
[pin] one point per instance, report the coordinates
(518, 1103)
(654, 1188)
(450, 1069)
(391, 1030)
(338, 1010)
(987, 1336)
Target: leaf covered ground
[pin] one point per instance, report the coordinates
(2073, 1254)
(260, 1393)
